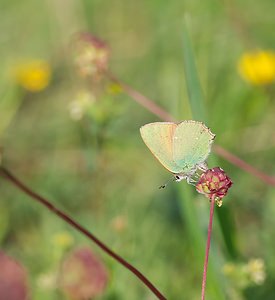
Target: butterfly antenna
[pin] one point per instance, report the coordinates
(164, 185)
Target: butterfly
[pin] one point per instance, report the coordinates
(182, 148)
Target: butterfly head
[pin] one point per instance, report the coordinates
(180, 177)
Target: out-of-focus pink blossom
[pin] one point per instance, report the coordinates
(13, 279)
(83, 275)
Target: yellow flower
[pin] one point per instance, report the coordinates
(114, 89)
(229, 268)
(33, 75)
(63, 239)
(119, 223)
(258, 67)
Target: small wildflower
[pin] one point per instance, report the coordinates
(114, 89)
(229, 268)
(246, 274)
(47, 281)
(63, 239)
(80, 105)
(92, 56)
(33, 75)
(83, 275)
(256, 270)
(119, 223)
(258, 67)
(214, 184)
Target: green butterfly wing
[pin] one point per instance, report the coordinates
(192, 142)
(158, 137)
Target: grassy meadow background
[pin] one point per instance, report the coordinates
(90, 161)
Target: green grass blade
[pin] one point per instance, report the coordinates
(192, 81)
(9, 105)
(196, 100)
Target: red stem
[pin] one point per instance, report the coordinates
(204, 276)
(162, 114)
(12, 179)
(142, 100)
(233, 159)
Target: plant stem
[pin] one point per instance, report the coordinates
(233, 159)
(204, 276)
(17, 183)
(165, 116)
(142, 100)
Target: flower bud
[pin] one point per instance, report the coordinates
(214, 184)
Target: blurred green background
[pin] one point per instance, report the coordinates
(90, 161)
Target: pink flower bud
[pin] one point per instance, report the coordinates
(214, 184)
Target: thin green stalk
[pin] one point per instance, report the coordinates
(192, 81)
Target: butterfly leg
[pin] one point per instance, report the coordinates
(191, 180)
(197, 175)
(203, 166)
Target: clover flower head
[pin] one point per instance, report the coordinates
(214, 184)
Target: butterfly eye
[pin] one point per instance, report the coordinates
(177, 177)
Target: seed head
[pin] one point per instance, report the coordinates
(214, 184)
